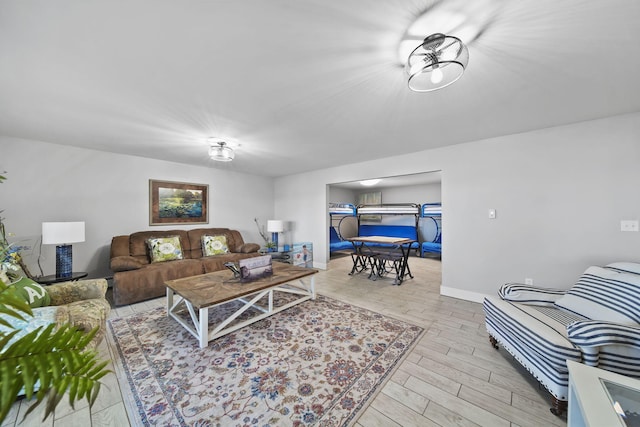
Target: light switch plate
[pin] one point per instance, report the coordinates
(628, 225)
(492, 214)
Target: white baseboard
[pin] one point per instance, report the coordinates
(462, 294)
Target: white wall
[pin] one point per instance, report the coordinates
(342, 195)
(110, 192)
(422, 193)
(560, 194)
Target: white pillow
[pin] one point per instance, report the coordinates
(605, 294)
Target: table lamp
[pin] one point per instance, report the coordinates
(61, 234)
(274, 227)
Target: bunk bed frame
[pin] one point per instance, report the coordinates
(409, 209)
(432, 211)
(339, 212)
(427, 211)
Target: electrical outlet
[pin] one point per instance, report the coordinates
(492, 214)
(528, 281)
(629, 225)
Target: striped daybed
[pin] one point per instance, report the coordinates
(596, 322)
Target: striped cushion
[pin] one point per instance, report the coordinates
(610, 346)
(594, 333)
(605, 294)
(626, 267)
(564, 318)
(518, 292)
(537, 341)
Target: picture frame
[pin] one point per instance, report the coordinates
(302, 254)
(173, 202)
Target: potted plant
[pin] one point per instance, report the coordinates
(271, 246)
(47, 362)
(268, 244)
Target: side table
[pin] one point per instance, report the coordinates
(52, 278)
(279, 256)
(601, 398)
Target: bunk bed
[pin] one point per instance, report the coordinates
(339, 212)
(406, 231)
(381, 246)
(432, 212)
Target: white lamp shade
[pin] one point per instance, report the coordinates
(58, 233)
(275, 226)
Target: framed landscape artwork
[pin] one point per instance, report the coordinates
(178, 203)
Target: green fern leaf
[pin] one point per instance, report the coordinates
(45, 363)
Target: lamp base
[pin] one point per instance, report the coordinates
(274, 239)
(64, 261)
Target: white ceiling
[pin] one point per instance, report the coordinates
(303, 84)
(394, 181)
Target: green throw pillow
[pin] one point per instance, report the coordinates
(165, 249)
(33, 293)
(214, 245)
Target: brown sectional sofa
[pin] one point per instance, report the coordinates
(135, 278)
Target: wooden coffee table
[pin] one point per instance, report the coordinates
(199, 293)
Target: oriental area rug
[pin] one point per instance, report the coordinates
(317, 363)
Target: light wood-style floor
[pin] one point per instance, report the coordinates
(453, 377)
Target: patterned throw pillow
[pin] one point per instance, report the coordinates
(33, 293)
(165, 249)
(214, 245)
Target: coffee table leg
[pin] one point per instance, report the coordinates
(169, 301)
(203, 327)
(313, 288)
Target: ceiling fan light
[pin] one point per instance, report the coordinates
(221, 152)
(446, 56)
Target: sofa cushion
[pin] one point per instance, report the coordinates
(88, 314)
(125, 263)
(605, 294)
(248, 248)
(42, 316)
(68, 292)
(148, 282)
(163, 249)
(214, 245)
(536, 336)
(31, 292)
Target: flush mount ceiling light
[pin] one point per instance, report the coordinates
(436, 63)
(221, 152)
(369, 182)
